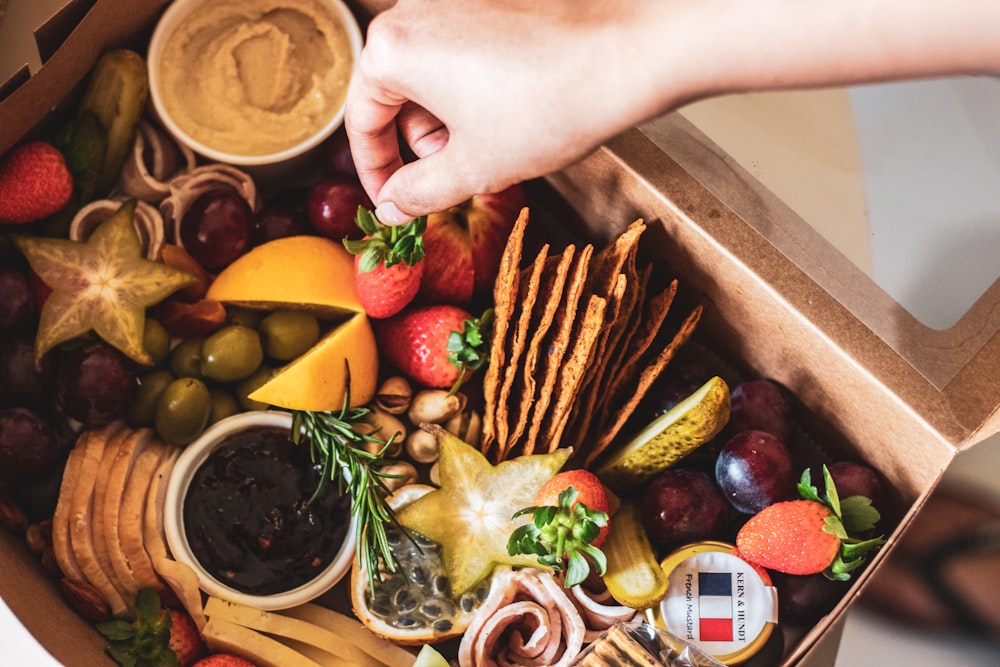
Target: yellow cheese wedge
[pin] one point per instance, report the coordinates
(225, 637)
(387, 652)
(297, 271)
(316, 380)
(321, 657)
(274, 623)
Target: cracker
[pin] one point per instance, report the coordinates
(554, 280)
(608, 263)
(555, 346)
(645, 381)
(528, 286)
(571, 373)
(504, 302)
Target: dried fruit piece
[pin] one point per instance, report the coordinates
(103, 284)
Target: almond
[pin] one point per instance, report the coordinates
(86, 600)
(12, 517)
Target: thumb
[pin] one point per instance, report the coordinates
(424, 186)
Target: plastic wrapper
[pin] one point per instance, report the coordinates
(640, 644)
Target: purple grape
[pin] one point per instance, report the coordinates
(22, 382)
(681, 506)
(95, 383)
(28, 445)
(284, 216)
(803, 600)
(754, 470)
(856, 479)
(761, 405)
(216, 228)
(17, 302)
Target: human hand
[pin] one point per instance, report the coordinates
(486, 94)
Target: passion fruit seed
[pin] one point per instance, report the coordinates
(418, 594)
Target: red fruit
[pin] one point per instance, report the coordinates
(591, 494)
(185, 641)
(789, 537)
(223, 660)
(34, 183)
(332, 204)
(384, 291)
(388, 263)
(416, 341)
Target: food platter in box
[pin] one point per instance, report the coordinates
(764, 312)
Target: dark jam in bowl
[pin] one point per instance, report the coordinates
(248, 519)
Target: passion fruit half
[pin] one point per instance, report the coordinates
(414, 605)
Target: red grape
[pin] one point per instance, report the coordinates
(754, 470)
(28, 445)
(681, 506)
(95, 383)
(856, 479)
(762, 405)
(803, 600)
(216, 228)
(17, 301)
(338, 153)
(22, 382)
(332, 207)
(284, 216)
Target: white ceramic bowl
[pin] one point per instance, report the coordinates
(296, 154)
(193, 456)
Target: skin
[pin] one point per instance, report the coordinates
(490, 93)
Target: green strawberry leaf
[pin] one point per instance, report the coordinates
(832, 525)
(116, 630)
(832, 497)
(806, 489)
(859, 514)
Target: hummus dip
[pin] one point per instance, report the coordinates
(255, 77)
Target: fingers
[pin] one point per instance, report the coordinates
(370, 120)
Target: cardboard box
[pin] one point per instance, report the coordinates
(876, 383)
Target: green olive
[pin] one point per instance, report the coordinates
(232, 353)
(182, 411)
(244, 316)
(151, 385)
(224, 404)
(156, 341)
(287, 334)
(185, 359)
(251, 384)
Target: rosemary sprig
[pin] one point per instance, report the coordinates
(340, 451)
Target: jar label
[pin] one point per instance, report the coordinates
(719, 602)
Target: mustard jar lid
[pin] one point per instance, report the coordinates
(717, 601)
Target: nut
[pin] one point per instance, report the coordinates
(49, 562)
(422, 446)
(467, 425)
(399, 475)
(35, 539)
(434, 474)
(383, 426)
(12, 517)
(435, 406)
(86, 600)
(394, 395)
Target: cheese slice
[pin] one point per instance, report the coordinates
(317, 379)
(224, 637)
(274, 623)
(311, 272)
(386, 651)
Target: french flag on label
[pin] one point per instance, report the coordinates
(715, 606)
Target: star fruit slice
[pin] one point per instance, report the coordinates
(102, 284)
(470, 515)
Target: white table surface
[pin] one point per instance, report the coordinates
(945, 136)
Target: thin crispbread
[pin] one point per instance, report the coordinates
(555, 345)
(554, 282)
(504, 304)
(528, 287)
(645, 381)
(585, 334)
(135, 565)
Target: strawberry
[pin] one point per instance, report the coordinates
(569, 523)
(34, 183)
(223, 660)
(436, 346)
(157, 636)
(387, 263)
(810, 535)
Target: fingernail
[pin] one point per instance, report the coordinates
(388, 214)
